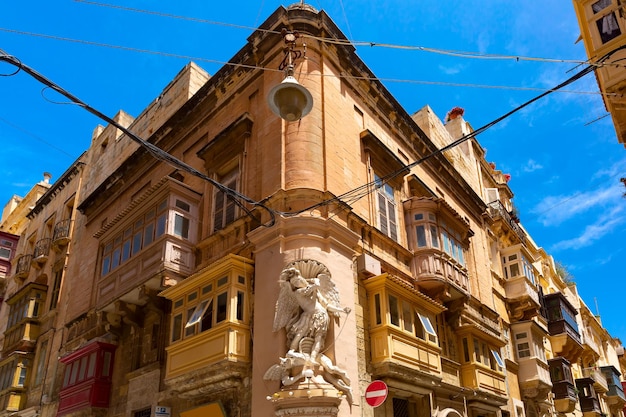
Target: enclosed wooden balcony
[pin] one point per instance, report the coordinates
(615, 394)
(391, 344)
(41, 252)
(588, 398)
(563, 388)
(562, 327)
(477, 376)
(61, 235)
(166, 259)
(439, 275)
(534, 377)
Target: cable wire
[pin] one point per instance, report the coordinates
(345, 76)
(155, 151)
(355, 43)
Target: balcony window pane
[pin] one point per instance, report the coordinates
(221, 307)
(514, 268)
(191, 329)
(148, 234)
(466, 356)
(74, 373)
(207, 318)
(240, 305)
(434, 235)
(115, 259)
(83, 368)
(181, 226)
(160, 228)
(177, 326)
(497, 358)
(428, 326)
(377, 309)
(421, 236)
(137, 242)
(394, 313)
(197, 313)
(106, 364)
(126, 250)
(92, 365)
(407, 316)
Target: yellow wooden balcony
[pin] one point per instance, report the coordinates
(22, 337)
(226, 342)
(390, 344)
(477, 376)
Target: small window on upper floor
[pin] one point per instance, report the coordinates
(606, 20)
(5, 253)
(386, 208)
(224, 207)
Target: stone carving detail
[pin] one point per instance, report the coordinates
(307, 301)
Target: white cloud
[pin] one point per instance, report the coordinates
(593, 232)
(450, 70)
(531, 166)
(554, 210)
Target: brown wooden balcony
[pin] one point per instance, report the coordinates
(439, 275)
(504, 222)
(41, 252)
(23, 266)
(61, 234)
(565, 397)
(588, 398)
(562, 327)
(599, 380)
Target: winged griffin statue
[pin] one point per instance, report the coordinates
(308, 299)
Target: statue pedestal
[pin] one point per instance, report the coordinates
(307, 400)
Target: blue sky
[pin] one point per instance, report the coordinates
(565, 170)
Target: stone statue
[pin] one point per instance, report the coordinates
(308, 299)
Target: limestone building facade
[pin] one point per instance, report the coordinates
(279, 267)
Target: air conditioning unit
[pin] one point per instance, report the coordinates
(367, 266)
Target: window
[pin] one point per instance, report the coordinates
(605, 20)
(386, 206)
(56, 288)
(41, 362)
(5, 253)
(404, 315)
(523, 345)
(429, 233)
(224, 207)
(208, 306)
(517, 265)
(497, 358)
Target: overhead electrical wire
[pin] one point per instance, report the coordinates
(240, 199)
(239, 65)
(155, 151)
(461, 54)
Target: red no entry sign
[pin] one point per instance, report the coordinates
(376, 393)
